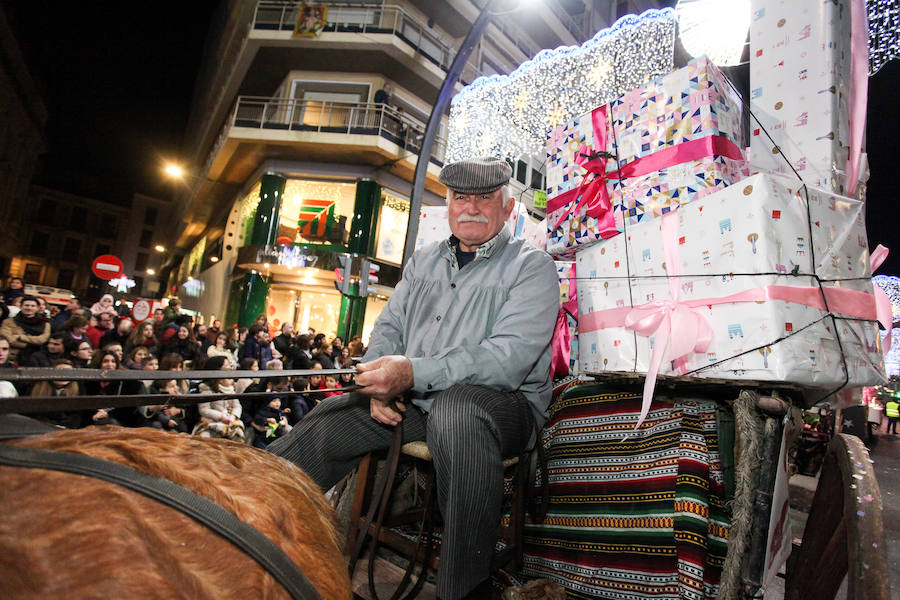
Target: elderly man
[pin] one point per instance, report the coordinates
(460, 358)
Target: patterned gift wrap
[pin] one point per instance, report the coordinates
(634, 519)
(800, 63)
(750, 242)
(677, 139)
(565, 271)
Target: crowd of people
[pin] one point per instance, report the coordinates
(105, 337)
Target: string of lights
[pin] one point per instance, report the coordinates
(884, 32)
(558, 85)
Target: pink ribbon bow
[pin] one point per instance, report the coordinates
(561, 342)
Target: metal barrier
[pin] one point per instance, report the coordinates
(44, 404)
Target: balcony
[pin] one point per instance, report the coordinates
(274, 15)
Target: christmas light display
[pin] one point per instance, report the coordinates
(509, 115)
(884, 32)
(891, 287)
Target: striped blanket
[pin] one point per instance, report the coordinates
(634, 519)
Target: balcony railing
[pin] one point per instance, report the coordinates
(348, 17)
(335, 117)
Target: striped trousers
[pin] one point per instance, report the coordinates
(469, 430)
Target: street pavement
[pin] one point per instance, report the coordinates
(886, 456)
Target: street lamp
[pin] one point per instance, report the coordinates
(159, 248)
(173, 170)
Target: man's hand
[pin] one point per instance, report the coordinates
(385, 378)
(381, 411)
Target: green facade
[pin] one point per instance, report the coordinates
(265, 231)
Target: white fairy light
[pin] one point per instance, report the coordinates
(715, 28)
(558, 85)
(884, 32)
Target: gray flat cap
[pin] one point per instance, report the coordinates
(476, 175)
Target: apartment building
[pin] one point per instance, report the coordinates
(303, 138)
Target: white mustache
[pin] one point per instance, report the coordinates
(464, 218)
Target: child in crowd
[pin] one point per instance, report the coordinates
(169, 417)
(331, 383)
(270, 423)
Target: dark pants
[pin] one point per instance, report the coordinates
(469, 430)
(892, 424)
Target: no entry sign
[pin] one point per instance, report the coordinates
(107, 267)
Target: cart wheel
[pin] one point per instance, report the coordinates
(844, 534)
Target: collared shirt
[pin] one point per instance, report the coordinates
(487, 324)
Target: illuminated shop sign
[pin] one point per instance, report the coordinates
(288, 256)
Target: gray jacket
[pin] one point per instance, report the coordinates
(488, 324)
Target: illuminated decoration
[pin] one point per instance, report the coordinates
(246, 215)
(286, 256)
(884, 32)
(311, 20)
(122, 283)
(193, 262)
(193, 287)
(716, 28)
(558, 85)
(891, 287)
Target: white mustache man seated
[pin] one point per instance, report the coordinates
(462, 350)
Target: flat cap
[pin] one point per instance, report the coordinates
(476, 175)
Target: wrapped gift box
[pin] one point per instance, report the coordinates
(740, 240)
(800, 61)
(676, 138)
(565, 271)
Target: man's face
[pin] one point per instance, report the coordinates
(288, 329)
(263, 336)
(201, 330)
(29, 308)
(105, 321)
(55, 346)
(115, 349)
(125, 327)
(158, 315)
(73, 305)
(476, 218)
(217, 324)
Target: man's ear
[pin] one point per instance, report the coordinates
(507, 209)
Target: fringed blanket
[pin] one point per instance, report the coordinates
(634, 519)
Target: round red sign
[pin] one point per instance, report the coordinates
(107, 266)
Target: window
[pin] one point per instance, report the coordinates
(79, 219)
(537, 179)
(108, 225)
(48, 208)
(65, 278)
(150, 215)
(101, 249)
(72, 249)
(521, 171)
(146, 238)
(138, 285)
(140, 263)
(32, 273)
(39, 241)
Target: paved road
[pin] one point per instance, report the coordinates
(886, 454)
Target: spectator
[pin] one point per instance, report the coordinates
(119, 334)
(346, 380)
(300, 385)
(15, 290)
(244, 384)
(356, 347)
(107, 360)
(270, 421)
(52, 351)
(221, 417)
(258, 346)
(159, 315)
(26, 332)
(275, 365)
(170, 330)
(116, 348)
(75, 329)
(331, 383)
(73, 309)
(262, 320)
(220, 348)
(182, 343)
(214, 330)
(200, 334)
(143, 335)
(151, 363)
(302, 354)
(323, 356)
(345, 362)
(95, 332)
(171, 312)
(65, 419)
(316, 382)
(284, 345)
(174, 362)
(104, 307)
(383, 95)
(42, 308)
(136, 357)
(79, 352)
(169, 417)
(5, 363)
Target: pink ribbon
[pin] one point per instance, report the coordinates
(592, 194)
(681, 328)
(882, 302)
(859, 89)
(561, 342)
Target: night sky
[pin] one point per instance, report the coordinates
(119, 81)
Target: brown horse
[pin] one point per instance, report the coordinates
(71, 536)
